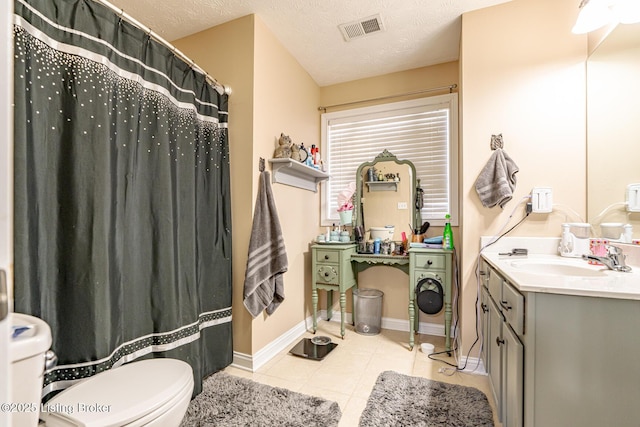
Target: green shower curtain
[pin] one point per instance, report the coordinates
(122, 198)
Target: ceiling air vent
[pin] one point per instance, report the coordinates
(361, 27)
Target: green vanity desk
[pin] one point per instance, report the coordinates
(336, 267)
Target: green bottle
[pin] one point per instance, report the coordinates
(447, 235)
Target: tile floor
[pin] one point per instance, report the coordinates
(349, 372)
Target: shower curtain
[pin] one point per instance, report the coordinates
(122, 198)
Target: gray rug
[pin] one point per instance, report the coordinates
(227, 400)
(401, 400)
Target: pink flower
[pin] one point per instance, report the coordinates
(346, 207)
(345, 198)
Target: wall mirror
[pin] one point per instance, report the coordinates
(385, 195)
(613, 126)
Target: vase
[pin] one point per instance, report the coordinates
(346, 217)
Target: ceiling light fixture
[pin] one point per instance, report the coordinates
(593, 14)
(596, 14)
(626, 11)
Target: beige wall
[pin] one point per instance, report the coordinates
(522, 74)
(226, 52)
(271, 94)
(286, 100)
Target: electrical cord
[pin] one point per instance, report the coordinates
(567, 208)
(479, 333)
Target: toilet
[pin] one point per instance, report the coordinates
(151, 392)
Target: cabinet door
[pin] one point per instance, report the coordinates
(513, 364)
(495, 355)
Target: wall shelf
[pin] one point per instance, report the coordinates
(296, 174)
(382, 185)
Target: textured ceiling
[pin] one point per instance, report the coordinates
(417, 33)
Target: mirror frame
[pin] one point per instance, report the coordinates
(385, 156)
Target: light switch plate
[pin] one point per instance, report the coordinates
(633, 198)
(402, 205)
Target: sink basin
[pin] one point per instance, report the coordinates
(558, 268)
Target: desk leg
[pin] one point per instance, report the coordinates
(343, 311)
(329, 305)
(412, 316)
(447, 326)
(314, 301)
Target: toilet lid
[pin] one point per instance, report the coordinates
(120, 396)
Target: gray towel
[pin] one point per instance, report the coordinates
(497, 180)
(263, 284)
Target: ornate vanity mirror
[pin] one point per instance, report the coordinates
(386, 195)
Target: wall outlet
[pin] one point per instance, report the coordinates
(541, 200)
(402, 205)
(633, 198)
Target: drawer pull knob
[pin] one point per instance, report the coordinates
(499, 341)
(326, 274)
(429, 262)
(326, 257)
(505, 305)
(484, 307)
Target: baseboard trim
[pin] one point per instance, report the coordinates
(252, 363)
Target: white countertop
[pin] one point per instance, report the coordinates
(597, 280)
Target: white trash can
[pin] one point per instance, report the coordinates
(367, 304)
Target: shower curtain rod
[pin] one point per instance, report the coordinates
(171, 47)
(450, 87)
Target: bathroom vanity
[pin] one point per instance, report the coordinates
(560, 340)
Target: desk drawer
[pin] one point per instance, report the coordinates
(430, 261)
(327, 274)
(323, 255)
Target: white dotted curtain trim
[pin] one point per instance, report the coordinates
(64, 376)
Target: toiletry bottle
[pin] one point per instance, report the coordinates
(447, 235)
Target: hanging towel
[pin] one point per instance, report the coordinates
(263, 281)
(497, 180)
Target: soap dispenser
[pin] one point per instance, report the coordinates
(566, 244)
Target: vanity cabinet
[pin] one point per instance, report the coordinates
(503, 351)
(557, 357)
(332, 271)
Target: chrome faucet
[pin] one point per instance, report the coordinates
(615, 259)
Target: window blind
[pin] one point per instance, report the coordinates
(420, 133)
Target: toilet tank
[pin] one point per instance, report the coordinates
(27, 357)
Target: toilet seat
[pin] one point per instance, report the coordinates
(134, 394)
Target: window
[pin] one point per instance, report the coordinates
(424, 131)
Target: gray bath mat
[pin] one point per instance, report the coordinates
(401, 400)
(228, 401)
